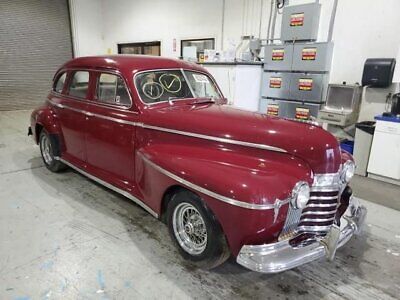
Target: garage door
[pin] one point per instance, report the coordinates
(35, 39)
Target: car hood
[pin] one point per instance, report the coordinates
(311, 143)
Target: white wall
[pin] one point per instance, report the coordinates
(87, 27)
(363, 29)
(159, 20)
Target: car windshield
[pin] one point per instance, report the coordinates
(168, 85)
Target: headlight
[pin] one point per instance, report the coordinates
(300, 195)
(348, 171)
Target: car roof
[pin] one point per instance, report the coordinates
(129, 64)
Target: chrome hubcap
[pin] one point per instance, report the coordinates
(45, 147)
(189, 229)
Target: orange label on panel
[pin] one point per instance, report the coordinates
(278, 54)
(275, 82)
(272, 110)
(302, 113)
(308, 53)
(297, 19)
(305, 84)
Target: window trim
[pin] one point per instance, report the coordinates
(172, 69)
(57, 78)
(95, 98)
(71, 76)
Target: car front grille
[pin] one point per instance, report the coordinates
(316, 219)
(319, 214)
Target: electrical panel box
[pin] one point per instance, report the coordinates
(276, 85)
(312, 57)
(278, 57)
(300, 22)
(289, 109)
(308, 87)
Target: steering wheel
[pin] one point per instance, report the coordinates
(153, 90)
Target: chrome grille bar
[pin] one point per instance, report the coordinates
(318, 215)
(311, 212)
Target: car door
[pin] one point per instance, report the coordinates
(110, 134)
(70, 105)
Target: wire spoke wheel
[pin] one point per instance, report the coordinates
(189, 228)
(45, 147)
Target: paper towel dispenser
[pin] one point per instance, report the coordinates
(378, 72)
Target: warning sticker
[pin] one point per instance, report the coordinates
(302, 113)
(200, 78)
(272, 109)
(275, 82)
(305, 84)
(278, 54)
(309, 53)
(297, 19)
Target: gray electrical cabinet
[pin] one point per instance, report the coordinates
(312, 57)
(278, 57)
(276, 85)
(308, 87)
(289, 109)
(296, 70)
(300, 22)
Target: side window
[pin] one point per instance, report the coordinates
(79, 84)
(111, 89)
(59, 85)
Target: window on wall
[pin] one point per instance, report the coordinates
(146, 48)
(200, 44)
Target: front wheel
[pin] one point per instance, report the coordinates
(48, 149)
(195, 230)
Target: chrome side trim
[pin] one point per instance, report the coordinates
(216, 139)
(278, 203)
(110, 186)
(174, 131)
(90, 114)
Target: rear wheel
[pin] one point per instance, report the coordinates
(195, 230)
(49, 150)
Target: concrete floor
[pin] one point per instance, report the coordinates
(64, 236)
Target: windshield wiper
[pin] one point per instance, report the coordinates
(205, 100)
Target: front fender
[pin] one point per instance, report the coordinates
(249, 176)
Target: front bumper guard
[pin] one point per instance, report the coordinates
(281, 256)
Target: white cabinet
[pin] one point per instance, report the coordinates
(240, 82)
(385, 152)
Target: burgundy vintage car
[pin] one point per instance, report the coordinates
(269, 191)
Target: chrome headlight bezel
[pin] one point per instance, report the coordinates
(347, 171)
(300, 195)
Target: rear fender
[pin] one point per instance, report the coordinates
(46, 118)
(248, 176)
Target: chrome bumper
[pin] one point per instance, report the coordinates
(281, 256)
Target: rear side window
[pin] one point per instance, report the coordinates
(79, 84)
(111, 89)
(59, 85)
